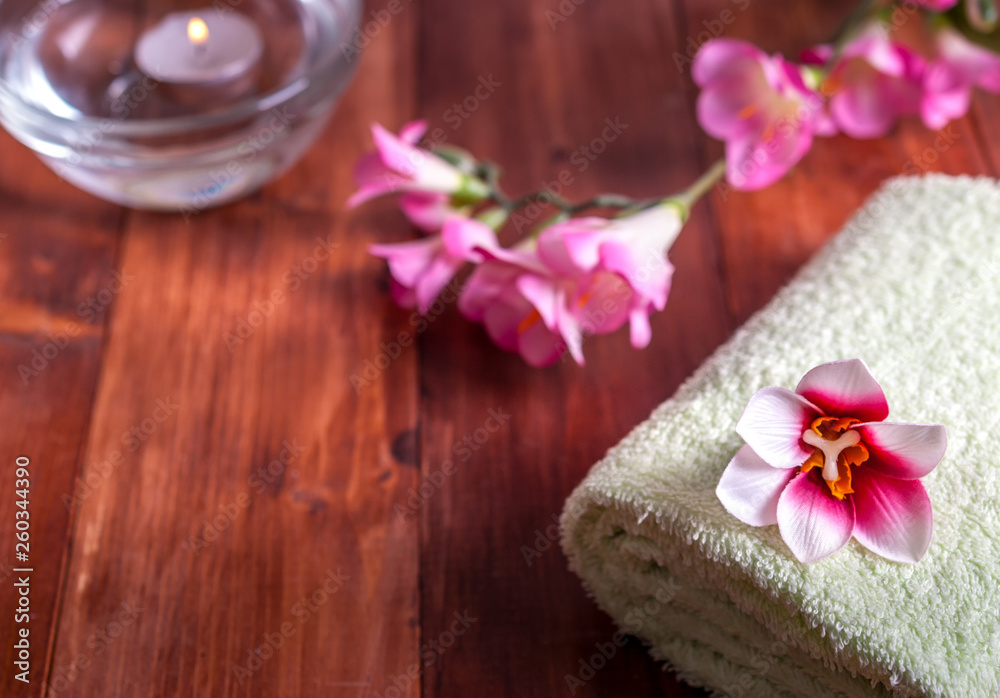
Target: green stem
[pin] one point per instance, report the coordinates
(708, 180)
(541, 197)
(489, 172)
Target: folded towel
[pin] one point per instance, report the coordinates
(912, 287)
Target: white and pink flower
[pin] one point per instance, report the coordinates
(823, 465)
(622, 259)
(583, 276)
(422, 268)
(431, 188)
(760, 106)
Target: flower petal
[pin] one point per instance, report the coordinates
(845, 389)
(978, 65)
(812, 521)
(903, 451)
(945, 95)
(640, 331)
(488, 282)
(503, 315)
(749, 488)
(772, 425)
(412, 132)
(882, 54)
(426, 211)
(408, 260)
(638, 251)
(549, 300)
(722, 58)
(570, 331)
(720, 105)
(427, 171)
(543, 294)
(572, 247)
(464, 237)
(437, 275)
(894, 517)
(762, 159)
(518, 259)
(539, 346)
(373, 179)
(601, 303)
(863, 109)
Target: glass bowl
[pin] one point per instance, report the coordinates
(76, 89)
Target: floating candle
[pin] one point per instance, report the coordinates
(203, 49)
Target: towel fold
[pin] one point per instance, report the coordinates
(912, 287)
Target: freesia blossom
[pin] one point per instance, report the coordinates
(877, 81)
(422, 268)
(760, 106)
(601, 254)
(977, 66)
(522, 305)
(822, 463)
(431, 188)
(583, 276)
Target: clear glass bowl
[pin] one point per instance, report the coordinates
(72, 90)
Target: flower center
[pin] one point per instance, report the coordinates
(831, 449)
(837, 447)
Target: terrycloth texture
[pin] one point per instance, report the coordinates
(912, 287)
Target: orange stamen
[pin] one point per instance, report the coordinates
(831, 429)
(830, 85)
(529, 321)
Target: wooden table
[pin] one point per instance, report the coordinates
(221, 518)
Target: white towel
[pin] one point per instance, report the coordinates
(912, 287)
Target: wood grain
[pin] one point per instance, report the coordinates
(57, 250)
(245, 545)
(557, 92)
(320, 495)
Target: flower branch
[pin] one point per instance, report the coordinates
(576, 275)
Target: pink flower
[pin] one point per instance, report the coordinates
(877, 81)
(822, 464)
(523, 307)
(584, 276)
(977, 66)
(626, 257)
(429, 211)
(422, 268)
(432, 188)
(760, 106)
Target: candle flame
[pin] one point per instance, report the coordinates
(197, 31)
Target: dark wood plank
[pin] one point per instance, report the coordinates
(534, 623)
(57, 250)
(984, 114)
(202, 548)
